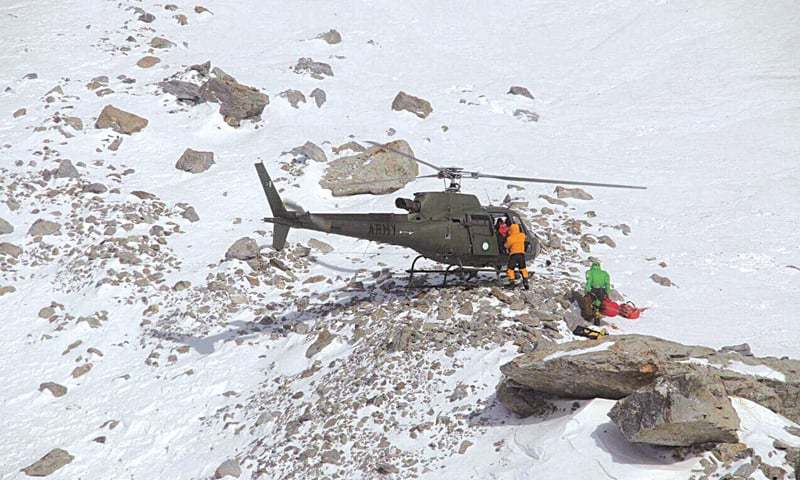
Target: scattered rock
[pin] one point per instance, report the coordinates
(524, 401)
(7, 290)
(19, 112)
(94, 188)
(147, 17)
(55, 389)
(679, 410)
(332, 37)
(237, 102)
(352, 146)
(194, 161)
(66, 170)
(516, 90)
(311, 151)
(376, 171)
(5, 227)
(606, 240)
(323, 340)
(44, 227)
(417, 106)
(320, 245)
(579, 193)
(243, 249)
(184, 91)
(202, 68)
(201, 9)
(462, 449)
(148, 61)
(10, 249)
(317, 70)
(30, 76)
(741, 349)
(161, 42)
(75, 122)
(663, 281)
(295, 97)
(120, 121)
(553, 201)
(319, 96)
(54, 460)
(182, 19)
(526, 115)
(228, 468)
(81, 370)
(190, 214)
(97, 82)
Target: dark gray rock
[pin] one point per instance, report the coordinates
(309, 150)
(190, 214)
(161, 42)
(317, 70)
(194, 161)
(526, 115)
(319, 96)
(678, 410)
(663, 281)
(147, 17)
(184, 91)
(418, 106)
(517, 90)
(54, 460)
(376, 171)
(742, 349)
(202, 68)
(523, 401)
(66, 170)
(243, 249)
(94, 188)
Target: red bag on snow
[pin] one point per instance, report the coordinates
(629, 310)
(609, 308)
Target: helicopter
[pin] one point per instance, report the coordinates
(448, 227)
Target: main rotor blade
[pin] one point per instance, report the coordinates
(412, 157)
(548, 180)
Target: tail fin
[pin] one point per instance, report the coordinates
(280, 231)
(275, 202)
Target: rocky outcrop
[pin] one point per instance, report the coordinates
(619, 366)
(228, 468)
(184, 91)
(237, 102)
(524, 401)
(418, 106)
(54, 460)
(119, 120)
(376, 171)
(678, 410)
(194, 161)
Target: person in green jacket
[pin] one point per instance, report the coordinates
(598, 283)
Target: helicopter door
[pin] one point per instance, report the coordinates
(482, 236)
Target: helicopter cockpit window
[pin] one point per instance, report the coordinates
(479, 220)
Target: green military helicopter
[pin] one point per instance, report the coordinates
(449, 227)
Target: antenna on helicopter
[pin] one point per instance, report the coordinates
(455, 174)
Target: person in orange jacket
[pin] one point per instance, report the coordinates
(515, 245)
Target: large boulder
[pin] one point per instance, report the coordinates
(237, 102)
(66, 170)
(194, 161)
(377, 170)
(54, 460)
(243, 249)
(119, 120)
(617, 366)
(418, 106)
(678, 410)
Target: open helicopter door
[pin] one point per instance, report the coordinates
(481, 234)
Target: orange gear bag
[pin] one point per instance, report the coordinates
(629, 311)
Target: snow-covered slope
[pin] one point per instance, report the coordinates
(698, 101)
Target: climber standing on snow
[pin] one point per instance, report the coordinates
(515, 246)
(598, 284)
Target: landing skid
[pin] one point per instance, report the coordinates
(465, 273)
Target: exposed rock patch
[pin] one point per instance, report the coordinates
(318, 70)
(237, 102)
(319, 96)
(147, 61)
(5, 227)
(517, 90)
(44, 227)
(243, 249)
(332, 37)
(579, 193)
(294, 97)
(54, 460)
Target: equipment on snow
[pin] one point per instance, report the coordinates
(609, 308)
(589, 332)
(630, 311)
